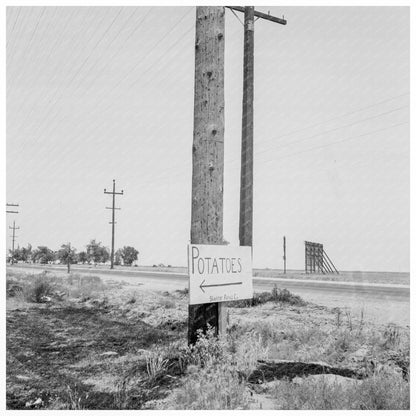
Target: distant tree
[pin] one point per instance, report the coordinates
(26, 253)
(128, 254)
(15, 256)
(117, 257)
(82, 257)
(97, 253)
(22, 254)
(43, 255)
(65, 253)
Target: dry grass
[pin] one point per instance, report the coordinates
(147, 332)
(384, 390)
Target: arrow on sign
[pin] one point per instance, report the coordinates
(219, 284)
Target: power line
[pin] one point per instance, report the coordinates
(227, 162)
(55, 70)
(141, 74)
(90, 85)
(341, 115)
(55, 94)
(94, 48)
(111, 89)
(331, 130)
(29, 43)
(14, 25)
(336, 142)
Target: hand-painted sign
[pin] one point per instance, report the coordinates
(219, 273)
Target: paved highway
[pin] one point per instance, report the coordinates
(381, 303)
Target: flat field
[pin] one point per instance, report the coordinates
(78, 342)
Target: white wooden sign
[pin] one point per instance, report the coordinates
(219, 273)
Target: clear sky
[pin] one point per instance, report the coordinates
(107, 92)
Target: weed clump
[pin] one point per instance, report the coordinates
(276, 295)
(212, 377)
(38, 290)
(216, 370)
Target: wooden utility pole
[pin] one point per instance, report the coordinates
(113, 208)
(208, 152)
(284, 254)
(14, 228)
(246, 180)
(69, 258)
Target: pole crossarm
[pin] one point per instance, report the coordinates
(10, 211)
(260, 15)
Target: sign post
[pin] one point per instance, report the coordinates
(208, 152)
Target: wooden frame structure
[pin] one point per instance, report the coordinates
(316, 260)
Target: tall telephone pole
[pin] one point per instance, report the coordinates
(208, 152)
(284, 254)
(113, 208)
(14, 228)
(246, 180)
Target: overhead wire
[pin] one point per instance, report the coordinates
(18, 36)
(58, 40)
(341, 115)
(280, 146)
(151, 50)
(9, 34)
(41, 105)
(55, 96)
(90, 85)
(36, 135)
(117, 52)
(337, 142)
(189, 166)
(290, 133)
(29, 44)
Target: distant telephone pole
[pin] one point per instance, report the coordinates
(113, 208)
(284, 254)
(246, 180)
(69, 258)
(208, 152)
(14, 228)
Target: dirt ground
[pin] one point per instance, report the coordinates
(89, 351)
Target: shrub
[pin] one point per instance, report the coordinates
(38, 289)
(276, 295)
(285, 296)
